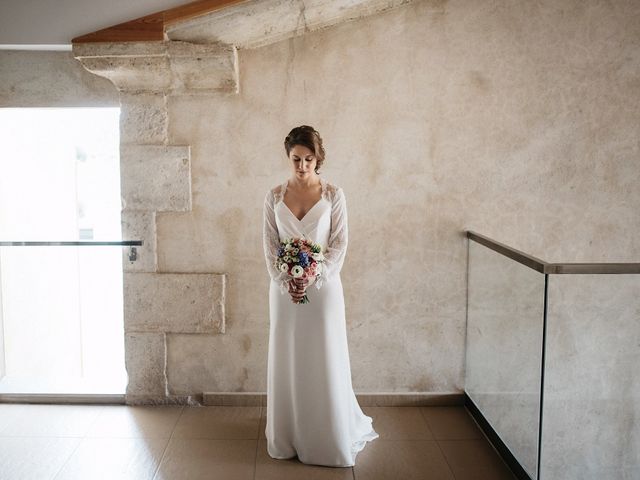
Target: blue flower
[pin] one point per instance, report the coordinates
(304, 259)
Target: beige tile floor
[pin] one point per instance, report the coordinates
(39, 442)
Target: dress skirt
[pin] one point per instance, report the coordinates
(312, 410)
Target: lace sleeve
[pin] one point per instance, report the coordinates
(271, 243)
(338, 239)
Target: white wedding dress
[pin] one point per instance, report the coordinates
(312, 411)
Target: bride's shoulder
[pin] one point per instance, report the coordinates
(332, 189)
(275, 193)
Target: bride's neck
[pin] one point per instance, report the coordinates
(311, 182)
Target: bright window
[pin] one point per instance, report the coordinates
(61, 306)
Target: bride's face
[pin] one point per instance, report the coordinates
(303, 161)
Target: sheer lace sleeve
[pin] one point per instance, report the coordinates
(271, 243)
(338, 239)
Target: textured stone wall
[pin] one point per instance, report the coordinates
(50, 79)
(514, 119)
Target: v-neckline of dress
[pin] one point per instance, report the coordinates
(300, 220)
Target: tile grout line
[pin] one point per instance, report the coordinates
(79, 442)
(164, 451)
(438, 445)
(426, 422)
(68, 458)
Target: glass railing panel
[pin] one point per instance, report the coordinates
(591, 410)
(504, 348)
(61, 319)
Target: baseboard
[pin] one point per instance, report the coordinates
(71, 398)
(389, 399)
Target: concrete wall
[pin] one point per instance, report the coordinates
(515, 119)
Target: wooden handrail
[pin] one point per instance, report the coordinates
(152, 27)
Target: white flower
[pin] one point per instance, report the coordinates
(284, 267)
(297, 271)
(318, 257)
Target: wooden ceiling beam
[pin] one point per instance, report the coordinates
(152, 27)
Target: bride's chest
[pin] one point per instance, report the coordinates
(315, 224)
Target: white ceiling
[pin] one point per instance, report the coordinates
(50, 25)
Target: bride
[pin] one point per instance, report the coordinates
(312, 410)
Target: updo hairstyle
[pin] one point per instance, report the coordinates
(308, 137)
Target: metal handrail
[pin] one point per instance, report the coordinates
(553, 268)
(125, 243)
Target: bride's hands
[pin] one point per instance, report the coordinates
(298, 287)
(304, 282)
(295, 290)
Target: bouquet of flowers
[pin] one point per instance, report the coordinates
(300, 258)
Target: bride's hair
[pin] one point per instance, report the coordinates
(308, 137)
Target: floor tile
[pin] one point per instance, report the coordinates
(402, 459)
(399, 423)
(474, 460)
(263, 423)
(135, 421)
(52, 420)
(176, 442)
(218, 422)
(9, 413)
(200, 458)
(32, 458)
(268, 468)
(114, 458)
(451, 423)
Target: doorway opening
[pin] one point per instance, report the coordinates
(61, 307)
